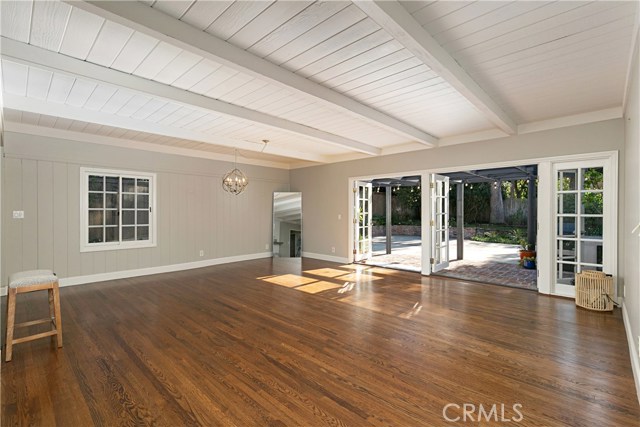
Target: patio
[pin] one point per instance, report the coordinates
(483, 262)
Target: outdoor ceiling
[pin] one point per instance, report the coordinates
(511, 173)
(320, 81)
(494, 175)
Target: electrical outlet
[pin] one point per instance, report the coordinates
(201, 252)
(339, 216)
(18, 214)
(333, 249)
(266, 246)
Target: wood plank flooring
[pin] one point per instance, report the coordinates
(308, 343)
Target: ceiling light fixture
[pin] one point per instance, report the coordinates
(235, 181)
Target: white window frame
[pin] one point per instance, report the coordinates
(609, 214)
(85, 246)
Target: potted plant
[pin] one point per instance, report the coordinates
(529, 262)
(527, 250)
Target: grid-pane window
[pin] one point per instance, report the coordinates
(117, 211)
(580, 222)
(103, 205)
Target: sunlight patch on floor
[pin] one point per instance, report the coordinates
(314, 288)
(326, 272)
(290, 280)
(352, 284)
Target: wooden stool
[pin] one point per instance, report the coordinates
(31, 281)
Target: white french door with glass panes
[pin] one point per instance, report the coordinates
(362, 221)
(439, 222)
(584, 221)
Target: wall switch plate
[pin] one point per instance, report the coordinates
(18, 214)
(201, 252)
(339, 216)
(266, 246)
(333, 249)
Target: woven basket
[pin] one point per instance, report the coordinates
(594, 291)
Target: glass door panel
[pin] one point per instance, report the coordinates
(362, 219)
(439, 222)
(580, 197)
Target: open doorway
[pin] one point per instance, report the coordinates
(387, 226)
(492, 225)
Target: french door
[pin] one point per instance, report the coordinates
(362, 221)
(584, 221)
(439, 222)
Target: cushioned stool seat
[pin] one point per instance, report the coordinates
(33, 277)
(31, 281)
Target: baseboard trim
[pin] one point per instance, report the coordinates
(323, 257)
(635, 359)
(125, 274)
(563, 294)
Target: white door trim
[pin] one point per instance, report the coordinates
(610, 218)
(545, 205)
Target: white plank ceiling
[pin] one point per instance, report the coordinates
(322, 81)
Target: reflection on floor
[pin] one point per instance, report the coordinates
(493, 263)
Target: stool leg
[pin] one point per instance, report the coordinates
(11, 321)
(52, 313)
(56, 308)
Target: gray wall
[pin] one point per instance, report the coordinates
(631, 251)
(326, 192)
(42, 177)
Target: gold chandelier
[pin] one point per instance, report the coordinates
(235, 181)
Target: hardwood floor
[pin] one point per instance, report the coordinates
(288, 343)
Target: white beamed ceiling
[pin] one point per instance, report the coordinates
(537, 61)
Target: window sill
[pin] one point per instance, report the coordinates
(99, 247)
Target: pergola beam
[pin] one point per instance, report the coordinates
(532, 205)
(395, 19)
(156, 24)
(460, 220)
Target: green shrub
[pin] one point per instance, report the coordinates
(379, 220)
(518, 218)
(496, 236)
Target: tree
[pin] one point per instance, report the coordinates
(496, 215)
(476, 203)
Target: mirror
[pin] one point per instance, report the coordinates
(287, 224)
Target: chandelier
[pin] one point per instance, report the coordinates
(235, 181)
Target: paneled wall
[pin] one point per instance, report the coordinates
(41, 176)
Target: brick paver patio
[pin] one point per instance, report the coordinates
(492, 272)
(484, 262)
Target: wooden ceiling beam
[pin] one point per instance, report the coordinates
(41, 58)
(395, 19)
(156, 24)
(33, 105)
